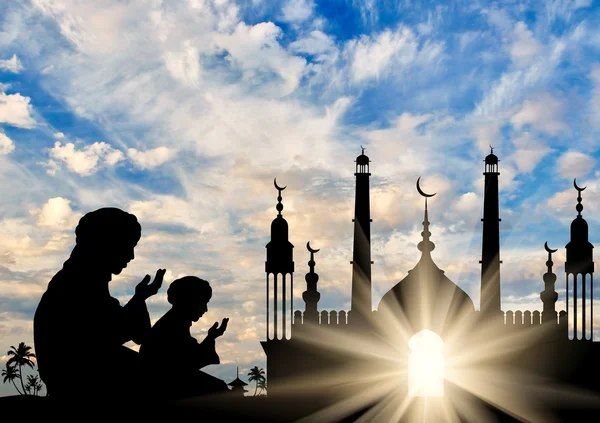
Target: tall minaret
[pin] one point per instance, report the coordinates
(580, 266)
(361, 307)
(549, 295)
(280, 261)
(490, 246)
(311, 296)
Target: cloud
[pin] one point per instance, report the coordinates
(316, 43)
(525, 47)
(543, 112)
(6, 144)
(298, 10)
(150, 158)
(85, 161)
(59, 135)
(15, 110)
(487, 134)
(56, 214)
(529, 152)
(574, 164)
(255, 49)
(11, 65)
(372, 56)
(184, 66)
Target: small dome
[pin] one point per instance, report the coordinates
(279, 229)
(579, 229)
(491, 159)
(362, 160)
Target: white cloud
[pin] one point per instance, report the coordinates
(59, 135)
(298, 10)
(529, 152)
(150, 158)
(6, 144)
(15, 110)
(543, 112)
(467, 203)
(85, 161)
(574, 164)
(11, 65)
(316, 43)
(184, 66)
(56, 214)
(256, 49)
(487, 134)
(525, 47)
(372, 56)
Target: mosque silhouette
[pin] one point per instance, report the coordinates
(345, 362)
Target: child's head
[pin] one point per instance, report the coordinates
(190, 295)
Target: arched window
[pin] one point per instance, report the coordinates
(426, 365)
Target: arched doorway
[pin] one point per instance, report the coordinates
(426, 365)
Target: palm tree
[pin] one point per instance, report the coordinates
(256, 375)
(33, 384)
(10, 374)
(21, 356)
(262, 385)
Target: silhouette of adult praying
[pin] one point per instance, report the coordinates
(171, 356)
(79, 328)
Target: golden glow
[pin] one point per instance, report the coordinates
(480, 370)
(426, 365)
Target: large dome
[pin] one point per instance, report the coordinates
(426, 298)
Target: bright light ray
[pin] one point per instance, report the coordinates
(478, 371)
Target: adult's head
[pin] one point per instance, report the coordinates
(105, 239)
(190, 295)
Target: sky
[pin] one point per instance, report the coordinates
(183, 113)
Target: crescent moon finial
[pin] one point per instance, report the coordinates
(310, 249)
(277, 186)
(548, 248)
(576, 187)
(421, 191)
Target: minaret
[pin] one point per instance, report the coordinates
(311, 296)
(580, 266)
(280, 261)
(490, 246)
(549, 295)
(361, 307)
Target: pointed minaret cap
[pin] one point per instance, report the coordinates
(425, 246)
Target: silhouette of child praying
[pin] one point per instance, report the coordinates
(171, 356)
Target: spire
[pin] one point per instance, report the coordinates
(425, 246)
(549, 295)
(579, 206)
(279, 206)
(311, 296)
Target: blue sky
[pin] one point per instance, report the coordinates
(183, 112)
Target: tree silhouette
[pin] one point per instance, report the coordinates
(33, 384)
(257, 375)
(262, 385)
(10, 374)
(20, 356)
